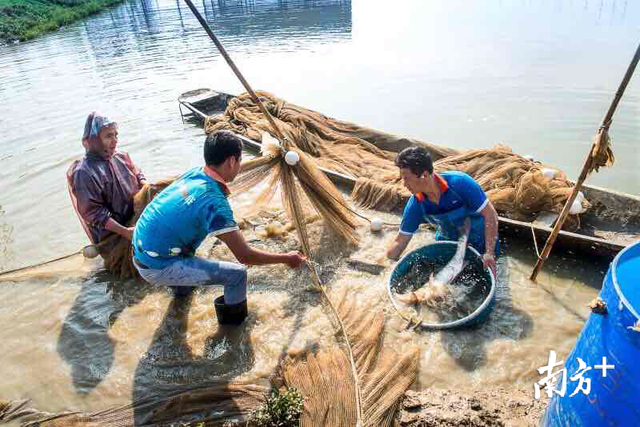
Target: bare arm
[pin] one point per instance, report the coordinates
(398, 246)
(113, 225)
(490, 235)
(247, 255)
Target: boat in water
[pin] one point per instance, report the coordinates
(611, 223)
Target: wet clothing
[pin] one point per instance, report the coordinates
(461, 197)
(174, 225)
(102, 189)
(196, 271)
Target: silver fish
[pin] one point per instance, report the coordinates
(436, 289)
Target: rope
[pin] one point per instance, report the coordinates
(62, 258)
(16, 270)
(535, 242)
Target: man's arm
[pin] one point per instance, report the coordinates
(398, 246)
(490, 235)
(113, 225)
(247, 255)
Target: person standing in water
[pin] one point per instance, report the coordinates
(102, 184)
(444, 200)
(177, 221)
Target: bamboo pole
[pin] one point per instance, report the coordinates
(235, 69)
(601, 134)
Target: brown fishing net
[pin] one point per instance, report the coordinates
(211, 405)
(343, 147)
(119, 259)
(515, 185)
(326, 380)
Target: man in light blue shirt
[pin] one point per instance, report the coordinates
(178, 219)
(444, 200)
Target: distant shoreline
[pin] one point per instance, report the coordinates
(25, 19)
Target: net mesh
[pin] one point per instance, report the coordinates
(518, 187)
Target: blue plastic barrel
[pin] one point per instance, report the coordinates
(613, 400)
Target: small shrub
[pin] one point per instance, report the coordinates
(280, 410)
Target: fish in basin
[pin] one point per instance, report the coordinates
(437, 291)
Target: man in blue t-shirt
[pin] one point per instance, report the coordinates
(178, 219)
(444, 200)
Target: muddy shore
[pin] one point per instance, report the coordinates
(490, 408)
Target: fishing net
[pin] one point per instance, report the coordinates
(211, 405)
(519, 188)
(343, 147)
(333, 393)
(370, 381)
(119, 260)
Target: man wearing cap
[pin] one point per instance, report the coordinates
(445, 200)
(177, 221)
(102, 184)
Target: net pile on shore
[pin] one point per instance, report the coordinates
(515, 185)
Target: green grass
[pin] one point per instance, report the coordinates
(26, 19)
(279, 410)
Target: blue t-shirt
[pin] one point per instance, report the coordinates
(463, 191)
(178, 219)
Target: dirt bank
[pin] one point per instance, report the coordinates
(438, 408)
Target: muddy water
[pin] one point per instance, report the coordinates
(536, 75)
(82, 340)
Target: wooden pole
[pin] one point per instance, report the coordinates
(601, 133)
(237, 72)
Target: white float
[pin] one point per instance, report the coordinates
(292, 158)
(376, 224)
(270, 146)
(90, 251)
(549, 173)
(576, 207)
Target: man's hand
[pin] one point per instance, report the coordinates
(128, 233)
(295, 259)
(489, 260)
(398, 246)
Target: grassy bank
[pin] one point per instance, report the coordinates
(26, 19)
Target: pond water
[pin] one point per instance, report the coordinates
(537, 75)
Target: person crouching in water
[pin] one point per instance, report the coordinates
(444, 200)
(177, 221)
(102, 184)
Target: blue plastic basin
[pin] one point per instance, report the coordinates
(441, 252)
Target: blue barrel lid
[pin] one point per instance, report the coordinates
(626, 278)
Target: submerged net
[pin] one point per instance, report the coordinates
(515, 185)
(211, 405)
